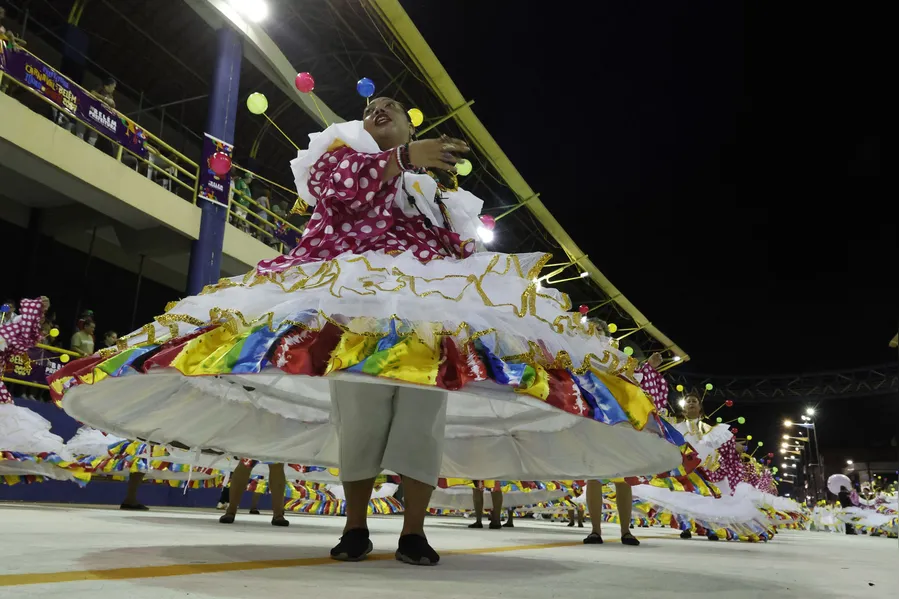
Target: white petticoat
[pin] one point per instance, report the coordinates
(25, 431)
(276, 417)
(727, 512)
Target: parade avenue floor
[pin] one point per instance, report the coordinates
(61, 551)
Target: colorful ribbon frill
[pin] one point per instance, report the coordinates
(337, 507)
(76, 470)
(315, 344)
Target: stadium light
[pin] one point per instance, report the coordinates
(788, 423)
(254, 10)
(810, 411)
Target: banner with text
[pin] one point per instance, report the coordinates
(213, 187)
(34, 366)
(72, 99)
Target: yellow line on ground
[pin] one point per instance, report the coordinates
(8, 580)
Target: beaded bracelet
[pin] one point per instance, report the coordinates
(402, 158)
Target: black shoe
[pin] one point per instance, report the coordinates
(509, 524)
(571, 524)
(227, 518)
(580, 525)
(415, 550)
(686, 535)
(476, 525)
(354, 546)
(279, 521)
(629, 539)
(712, 536)
(254, 512)
(495, 525)
(594, 538)
(134, 507)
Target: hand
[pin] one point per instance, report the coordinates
(655, 360)
(45, 303)
(437, 153)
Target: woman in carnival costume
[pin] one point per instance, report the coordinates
(28, 450)
(714, 502)
(382, 341)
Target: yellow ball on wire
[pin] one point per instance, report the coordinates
(64, 358)
(54, 332)
(416, 116)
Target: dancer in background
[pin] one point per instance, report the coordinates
(28, 450)
(496, 511)
(624, 501)
(240, 478)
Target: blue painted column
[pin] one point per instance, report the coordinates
(206, 254)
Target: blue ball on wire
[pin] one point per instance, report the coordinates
(365, 87)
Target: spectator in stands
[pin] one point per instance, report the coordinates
(83, 339)
(278, 210)
(104, 93)
(110, 338)
(264, 203)
(10, 36)
(240, 203)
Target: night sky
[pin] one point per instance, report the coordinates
(734, 153)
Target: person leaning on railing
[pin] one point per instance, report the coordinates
(8, 37)
(240, 202)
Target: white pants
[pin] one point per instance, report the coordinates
(382, 427)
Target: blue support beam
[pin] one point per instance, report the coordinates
(206, 254)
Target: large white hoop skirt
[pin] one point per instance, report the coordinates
(244, 368)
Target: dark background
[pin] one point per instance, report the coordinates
(733, 152)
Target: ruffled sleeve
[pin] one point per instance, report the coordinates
(347, 175)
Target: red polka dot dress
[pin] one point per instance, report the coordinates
(655, 385)
(19, 336)
(356, 212)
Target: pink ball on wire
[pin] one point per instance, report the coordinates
(220, 163)
(304, 82)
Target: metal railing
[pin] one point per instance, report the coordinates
(176, 172)
(30, 369)
(164, 164)
(247, 213)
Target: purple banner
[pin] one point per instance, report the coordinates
(72, 99)
(213, 187)
(34, 366)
